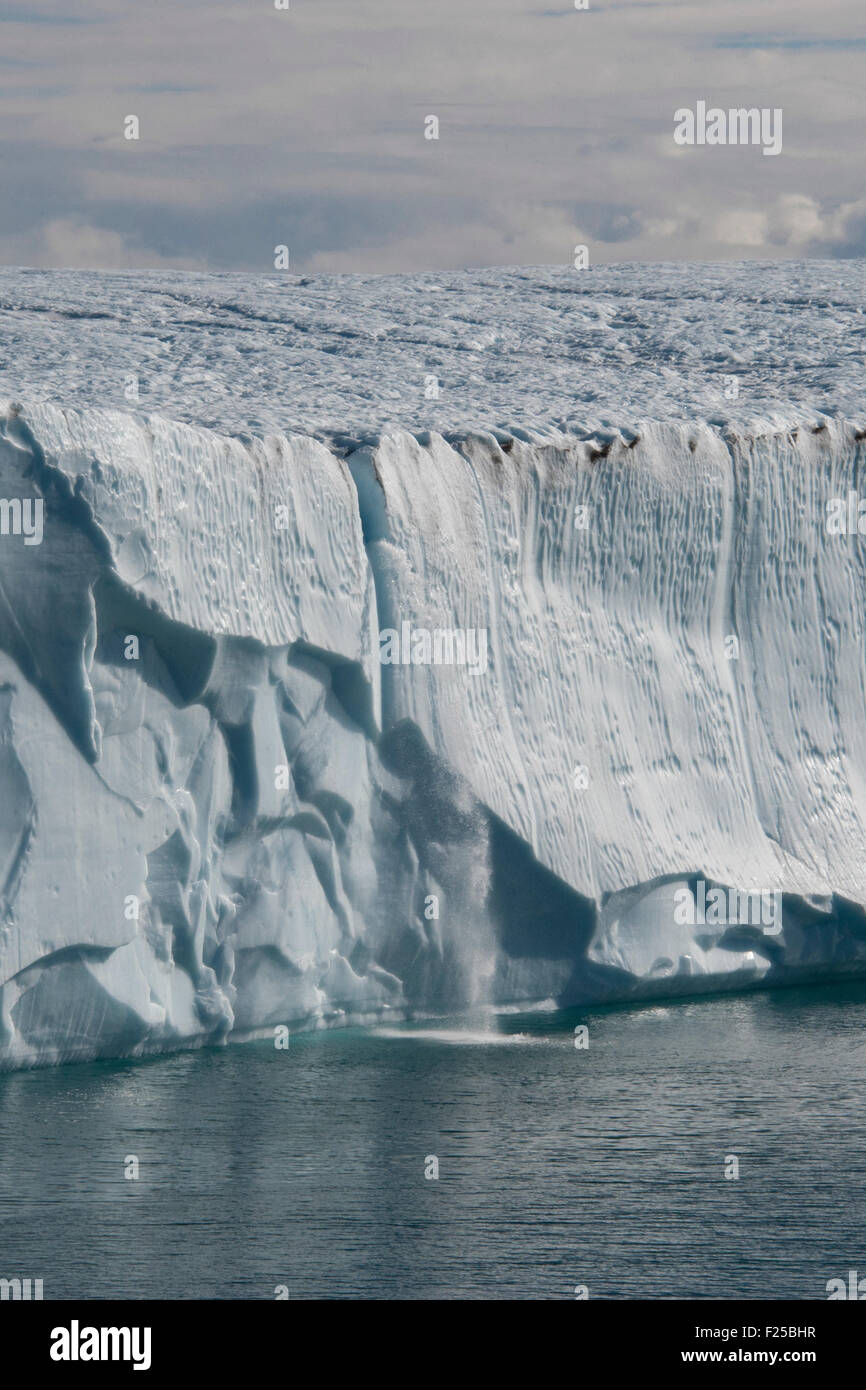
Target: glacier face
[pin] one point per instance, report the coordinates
(221, 810)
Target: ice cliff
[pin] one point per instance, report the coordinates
(221, 810)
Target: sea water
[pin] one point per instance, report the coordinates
(603, 1169)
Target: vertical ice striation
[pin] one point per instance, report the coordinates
(221, 810)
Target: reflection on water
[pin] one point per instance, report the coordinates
(558, 1165)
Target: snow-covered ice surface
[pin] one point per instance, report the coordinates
(533, 349)
(220, 812)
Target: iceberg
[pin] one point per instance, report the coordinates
(317, 705)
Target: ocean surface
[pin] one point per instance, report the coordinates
(558, 1166)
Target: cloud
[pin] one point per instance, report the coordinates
(793, 224)
(522, 234)
(73, 244)
(740, 227)
(306, 127)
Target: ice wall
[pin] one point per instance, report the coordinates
(219, 811)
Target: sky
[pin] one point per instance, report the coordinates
(305, 127)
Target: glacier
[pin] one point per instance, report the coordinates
(221, 811)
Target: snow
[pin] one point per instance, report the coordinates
(536, 349)
(254, 821)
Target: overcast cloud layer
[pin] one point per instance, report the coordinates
(305, 127)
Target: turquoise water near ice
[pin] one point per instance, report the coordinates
(558, 1167)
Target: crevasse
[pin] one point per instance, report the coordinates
(244, 819)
